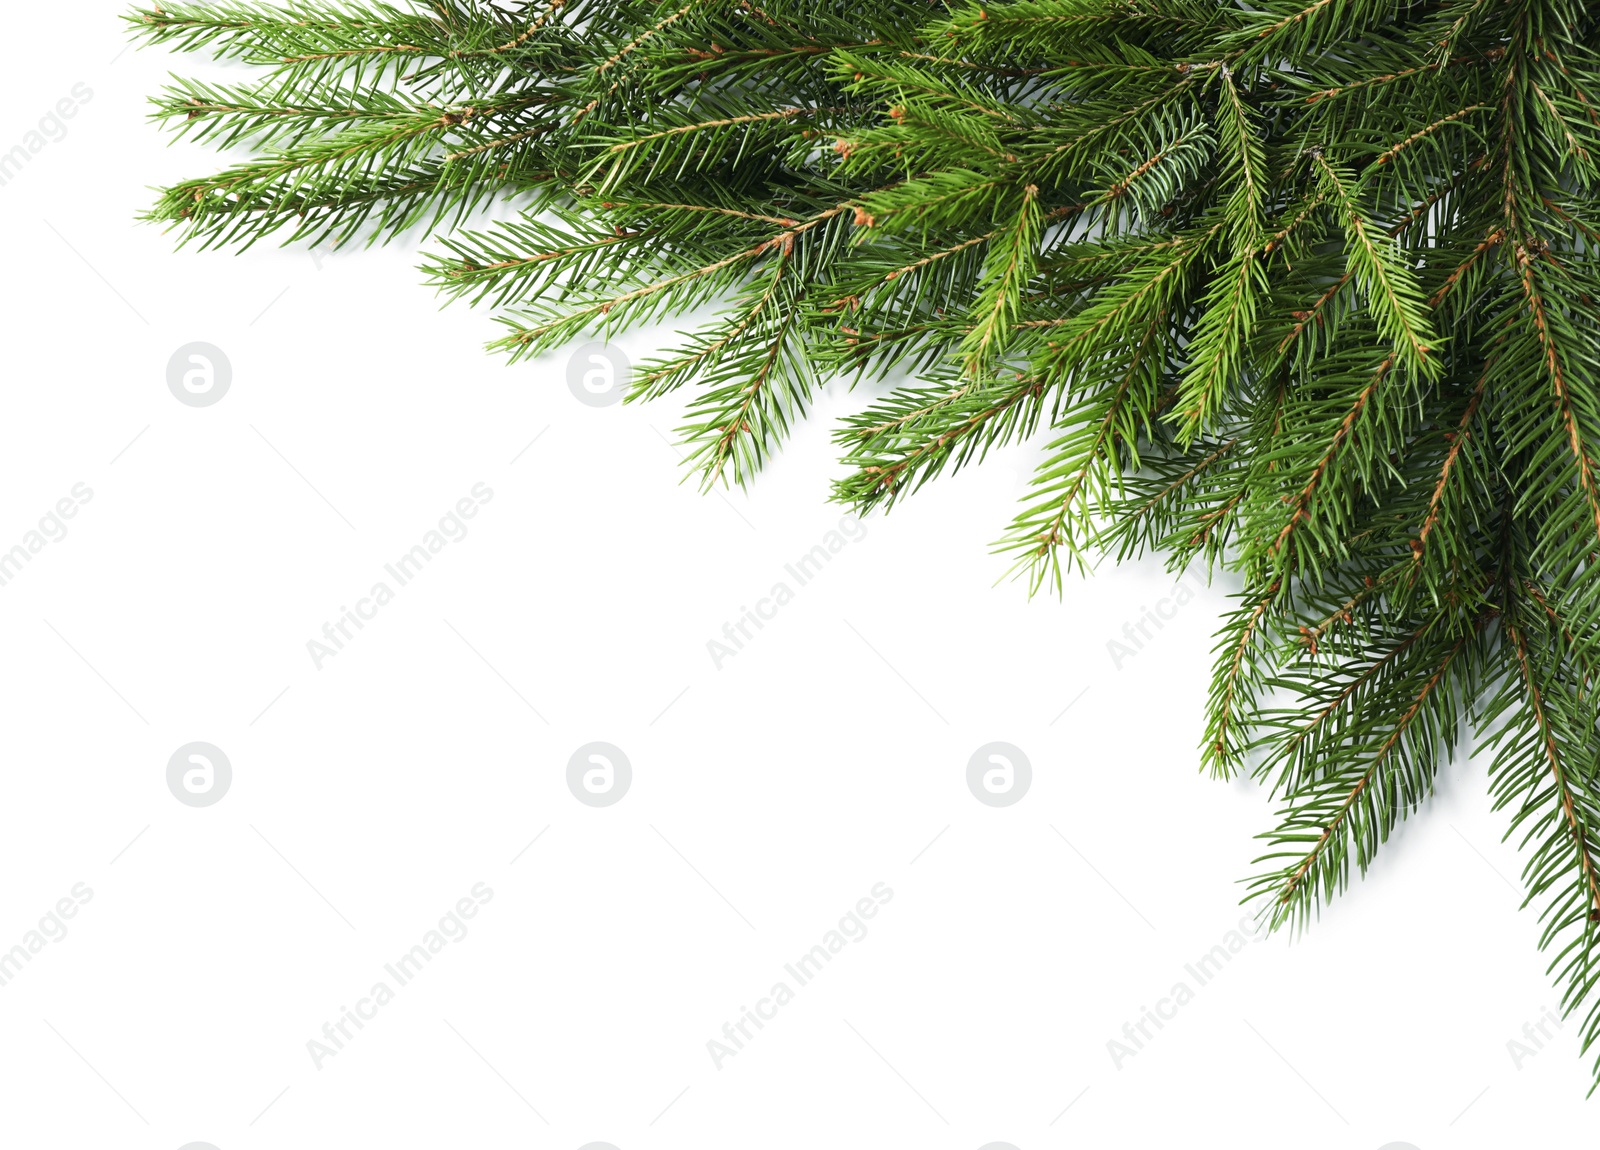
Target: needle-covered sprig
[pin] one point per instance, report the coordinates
(1302, 290)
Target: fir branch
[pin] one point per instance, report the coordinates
(1303, 288)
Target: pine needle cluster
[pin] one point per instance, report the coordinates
(1305, 291)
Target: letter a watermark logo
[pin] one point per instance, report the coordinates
(199, 374)
(597, 374)
(999, 774)
(199, 774)
(599, 774)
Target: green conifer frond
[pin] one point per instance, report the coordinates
(1303, 291)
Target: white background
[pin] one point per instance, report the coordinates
(768, 796)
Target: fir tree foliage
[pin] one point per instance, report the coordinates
(1306, 291)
